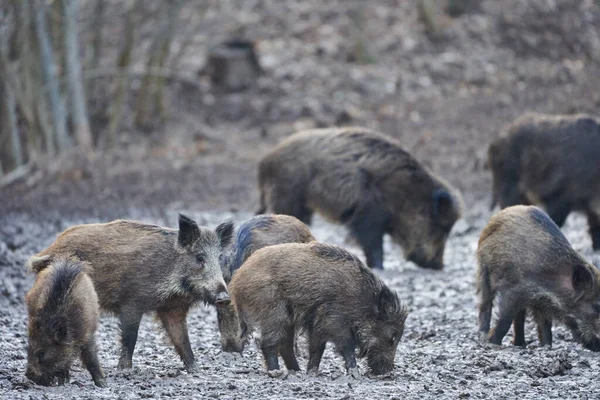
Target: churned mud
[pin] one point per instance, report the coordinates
(438, 357)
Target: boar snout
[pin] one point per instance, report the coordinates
(232, 346)
(420, 258)
(39, 379)
(222, 298)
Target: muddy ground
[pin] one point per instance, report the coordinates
(444, 96)
(438, 357)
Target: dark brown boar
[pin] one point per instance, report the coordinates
(138, 268)
(366, 181)
(322, 290)
(63, 318)
(525, 260)
(552, 161)
(257, 232)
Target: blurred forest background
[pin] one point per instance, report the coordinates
(109, 103)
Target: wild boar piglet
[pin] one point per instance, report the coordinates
(525, 261)
(139, 268)
(324, 291)
(63, 318)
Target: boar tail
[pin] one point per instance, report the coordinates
(37, 263)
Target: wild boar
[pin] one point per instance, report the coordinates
(261, 231)
(138, 268)
(63, 318)
(257, 232)
(524, 258)
(322, 290)
(552, 161)
(365, 180)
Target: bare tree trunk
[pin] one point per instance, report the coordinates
(123, 63)
(48, 69)
(150, 95)
(15, 137)
(97, 26)
(81, 124)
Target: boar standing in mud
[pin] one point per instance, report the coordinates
(366, 181)
(525, 260)
(63, 318)
(257, 232)
(322, 290)
(262, 231)
(552, 161)
(138, 268)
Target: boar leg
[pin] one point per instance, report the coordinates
(557, 209)
(174, 323)
(509, 307)
(594, 224)
(89, 358)
(519, 329)
(544, 327)
(350, 360)
(368, 227)
(485, 305)
(130, 320)
(316, 348)
(286, 349)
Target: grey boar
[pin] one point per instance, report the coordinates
(63, 318)
(366, 181)
(525, 260)
(139, 268)
(552, 161)
(257, 232)
(322, 290)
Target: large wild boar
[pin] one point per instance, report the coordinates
(138, 268)
(552, 161)
(366, 181)
(322, 290)
(257, 232)
(524, 259)
(63, 318)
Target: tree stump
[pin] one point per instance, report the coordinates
(233, 65)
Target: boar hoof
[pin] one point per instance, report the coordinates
(100, 383)
(192, 368)
(278, 373)
(354, 372)
(483, 337)
(312, 372)
(124, 364)
(389, 375)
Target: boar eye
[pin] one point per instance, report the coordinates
(200, 258)
(394, 336)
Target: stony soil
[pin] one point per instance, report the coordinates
(444, 96)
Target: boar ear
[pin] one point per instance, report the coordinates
(225, 233)
(583, 280)
(386, 303)
(443, 207)
(59, 330)
(188, 231)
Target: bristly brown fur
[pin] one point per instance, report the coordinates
(524, 259)
(139, 268)
(254, 234)
(550, 161)
(324, 291)
(365, 180)
(63, 318)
